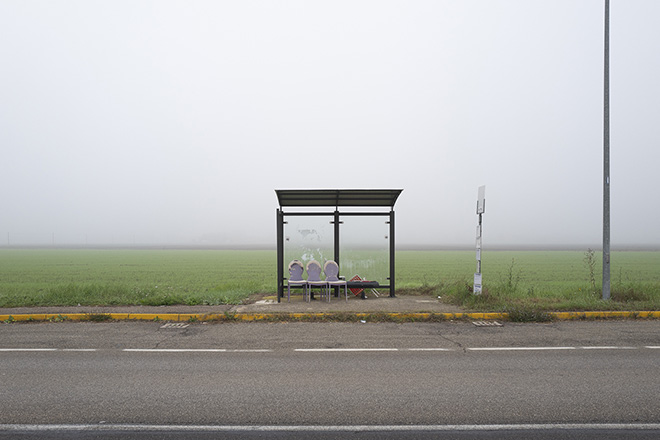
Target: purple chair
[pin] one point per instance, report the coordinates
(314, 279)
(331, 270)
(295, 278)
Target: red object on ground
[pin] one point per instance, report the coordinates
(356, 291)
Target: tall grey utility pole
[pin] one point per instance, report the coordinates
(606, 159)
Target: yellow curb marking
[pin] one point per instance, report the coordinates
(308, 316)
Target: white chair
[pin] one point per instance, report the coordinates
(295, 278)
(314, 279)
(331, 270)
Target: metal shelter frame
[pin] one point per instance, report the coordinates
(315, 198)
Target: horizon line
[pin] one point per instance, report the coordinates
(399, 247)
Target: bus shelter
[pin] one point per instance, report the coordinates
(354, 227)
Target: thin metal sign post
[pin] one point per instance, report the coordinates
(481, 208)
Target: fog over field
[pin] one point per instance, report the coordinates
(171, 122)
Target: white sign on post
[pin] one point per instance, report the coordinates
(481, 200)
(481, 208)
(477, 283)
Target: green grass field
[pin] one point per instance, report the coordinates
(147, 277)
(540, 280)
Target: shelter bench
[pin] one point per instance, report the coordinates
(362, 285)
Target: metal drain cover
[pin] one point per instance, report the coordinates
(487, 323)
(175, 325)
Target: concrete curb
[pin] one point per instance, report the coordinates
(332, 316)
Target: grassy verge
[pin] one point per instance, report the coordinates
(528, 284)
(120, 277)
(525, 284)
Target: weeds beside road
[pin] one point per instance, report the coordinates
(524, 284)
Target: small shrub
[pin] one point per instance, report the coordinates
(524, 314)
(58, 318)
(230, 316)
(590, 263)
(629, 294)
(460, 294)
(99, 317)
(509, 285)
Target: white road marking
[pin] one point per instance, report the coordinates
(430, 349)
(80, 349)
(247, 350)
(175, 350)
(195, 350)
(344, 349)
(518, 348)
(29, 349)
(327, 350)
(329, 428)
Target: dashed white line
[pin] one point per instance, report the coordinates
(343, 349)
(174, 350)
(518, 348)
(247, 350)
(329, 428)
(331, 350)
(28, 349)
(80, 349)
(194, 350)
(430, 349)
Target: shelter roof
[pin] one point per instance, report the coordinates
(337, 197)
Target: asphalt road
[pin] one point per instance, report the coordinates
(412, 378)
(526, 433)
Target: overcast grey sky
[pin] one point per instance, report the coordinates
(173, 121)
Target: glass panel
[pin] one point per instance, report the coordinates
(308, 238)
(365, 248)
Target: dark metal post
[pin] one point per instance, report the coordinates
(336, 249)
(336, 224)
(280, 254)
(606, 158)
(392, 247)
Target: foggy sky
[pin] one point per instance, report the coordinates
(170, 122)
